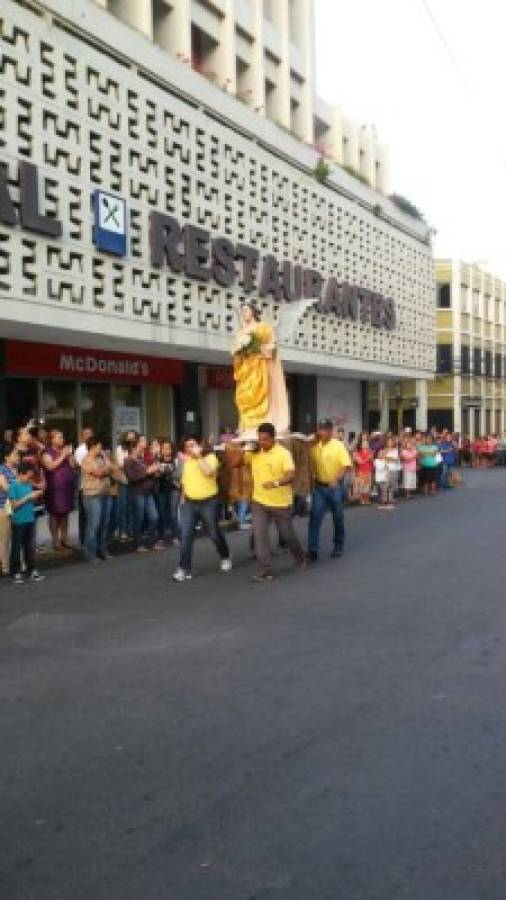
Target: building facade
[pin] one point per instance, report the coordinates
(262, 53)
(140, 204)
(468, 393)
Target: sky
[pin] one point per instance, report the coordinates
(435, 92)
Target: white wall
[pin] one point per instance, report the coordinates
(340, 399)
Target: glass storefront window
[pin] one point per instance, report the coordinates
(21, 401)
(96, 408)
(159, 410)
(59, 405)
(128, 409)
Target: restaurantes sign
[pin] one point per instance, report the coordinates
(192, 251)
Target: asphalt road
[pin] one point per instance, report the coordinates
(338, 736)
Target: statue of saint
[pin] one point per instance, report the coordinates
(260, 393)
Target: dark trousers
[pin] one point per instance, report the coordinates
(22, 541)
(205, 511)
(145, 518)
(167, 504)
(262, 516)
(326, 498)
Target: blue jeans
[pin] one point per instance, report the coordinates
(167, 504)
(206, 511)
(326, 498)
(242, 509)
(97, 519)
(145, 517)
(125, 511)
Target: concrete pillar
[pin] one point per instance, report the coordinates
(336, 135)
(303, 37)
(224, 56)
(137, 13)
(173, 30)
(282, 22)
(257, 63)
(457, 403)
(421, 409)
(383, 405)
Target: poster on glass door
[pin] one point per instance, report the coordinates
(128, 418)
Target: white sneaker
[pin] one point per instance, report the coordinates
(181, 575)
(36, 576)
(226, 565)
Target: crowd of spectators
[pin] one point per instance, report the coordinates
(131, 494)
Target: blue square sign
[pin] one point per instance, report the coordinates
(110, 230)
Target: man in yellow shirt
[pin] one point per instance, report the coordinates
(199, 502)
(330, 461)
(273, 472)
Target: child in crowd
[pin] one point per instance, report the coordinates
(22, 498)
(382, 479)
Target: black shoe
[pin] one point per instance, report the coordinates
(312, 557)
(336, 554)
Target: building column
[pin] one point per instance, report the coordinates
(421, 409)
(457, 404)
(383, 406)
(304, 38)
(187, 402)
(173, 30)
(225, 52)
(138, 14)
(281, 19)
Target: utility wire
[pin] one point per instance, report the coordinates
(445, 43)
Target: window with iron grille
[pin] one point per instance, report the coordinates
(444, 297)
(465, 360)
(444, 359)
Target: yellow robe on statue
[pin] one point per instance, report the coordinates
(260, 392)
(251, 374)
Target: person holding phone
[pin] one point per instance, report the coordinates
(23, 498)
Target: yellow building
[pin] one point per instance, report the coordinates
(468, 393)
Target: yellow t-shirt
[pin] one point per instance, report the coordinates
(271, 465)
(329, 460)
(196, 485)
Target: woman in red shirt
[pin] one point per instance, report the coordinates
(363, 461)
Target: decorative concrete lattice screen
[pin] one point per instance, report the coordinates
(87, 121)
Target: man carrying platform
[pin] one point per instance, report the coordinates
(273, 473)
(330, 461)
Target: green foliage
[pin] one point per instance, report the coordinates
(321, 171)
